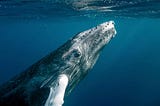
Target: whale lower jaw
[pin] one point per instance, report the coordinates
(56, 95)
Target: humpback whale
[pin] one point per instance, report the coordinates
(46, 82)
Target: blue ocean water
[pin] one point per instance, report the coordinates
(127, 72)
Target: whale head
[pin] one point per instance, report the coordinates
(88, 44)
(75, 58)
(83, 50)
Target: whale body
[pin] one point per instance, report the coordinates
(46, 82)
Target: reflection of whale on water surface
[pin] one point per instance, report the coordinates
(47, 81)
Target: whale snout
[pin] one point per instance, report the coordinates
(108, 27)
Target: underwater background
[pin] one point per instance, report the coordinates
(128, 70)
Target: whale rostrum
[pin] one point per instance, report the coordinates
(47, 81)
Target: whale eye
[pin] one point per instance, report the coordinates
(76, 53)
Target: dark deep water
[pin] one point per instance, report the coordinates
(127, 72)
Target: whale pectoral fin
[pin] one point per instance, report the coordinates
(57, 92)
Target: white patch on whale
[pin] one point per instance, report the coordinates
(57, 93)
